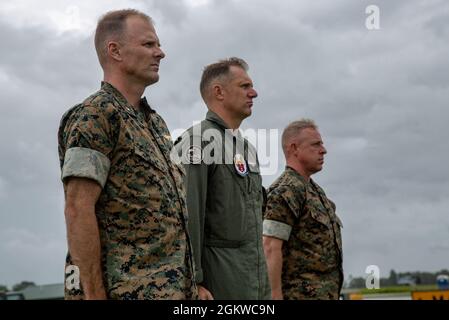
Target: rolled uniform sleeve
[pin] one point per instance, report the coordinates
(86, 163)
(87, 137)
(283, 207)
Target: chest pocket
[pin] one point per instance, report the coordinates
(339, 223)
(231, 205)
(321, 217)
(338, 238)
(319, 211)
(149, 155)
(179, 175)
(254, 181)
(250, 185)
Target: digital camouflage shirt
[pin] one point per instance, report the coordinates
(141, 212)
(299, 213)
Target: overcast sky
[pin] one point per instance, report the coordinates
(380, 98)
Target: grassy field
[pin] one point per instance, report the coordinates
(398, 289)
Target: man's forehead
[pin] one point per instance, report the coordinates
(309, 134)
(141, 27)
(239, 74)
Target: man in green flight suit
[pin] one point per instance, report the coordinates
(224, 189)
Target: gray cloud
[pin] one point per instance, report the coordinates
(380, 98)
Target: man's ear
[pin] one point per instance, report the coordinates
(292, 148)
(218, 91)
(114, 51)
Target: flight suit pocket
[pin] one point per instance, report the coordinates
(226, 212)
(235, 180)
(255, 180)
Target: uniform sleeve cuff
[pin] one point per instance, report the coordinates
(86, 163)
(276, 229)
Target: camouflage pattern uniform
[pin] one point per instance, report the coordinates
(299, 213)
(141, 211)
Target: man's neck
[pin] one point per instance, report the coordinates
(132, 93)
(299, 169)
(231, 122)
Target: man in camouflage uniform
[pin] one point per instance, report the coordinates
(302, 238)
(224, 189)
(125, 201)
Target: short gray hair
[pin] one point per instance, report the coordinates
(218, 70)
(294, 129)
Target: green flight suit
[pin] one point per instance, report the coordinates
(225, 210)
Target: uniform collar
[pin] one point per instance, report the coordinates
(145, 106)
(309, 183)
(109, 88)
(213, 117)
(298, 175)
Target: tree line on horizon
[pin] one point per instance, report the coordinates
(401, 278)
(394, 279)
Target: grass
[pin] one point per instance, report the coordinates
(399, 289)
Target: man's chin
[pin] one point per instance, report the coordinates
(151, 80)
(245, 115)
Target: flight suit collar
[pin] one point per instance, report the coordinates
(215, 118)
(212, 116)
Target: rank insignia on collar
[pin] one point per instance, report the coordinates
(240, 165)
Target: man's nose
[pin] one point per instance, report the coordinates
(253, 93)
(160, 54)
